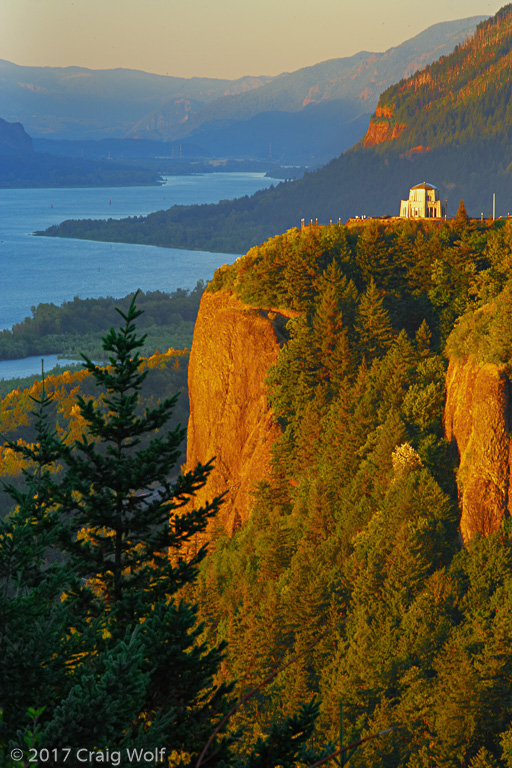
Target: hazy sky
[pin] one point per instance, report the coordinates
(213, 38)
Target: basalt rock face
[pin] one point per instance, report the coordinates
(382, 128)
(478, 421)
(230, 418)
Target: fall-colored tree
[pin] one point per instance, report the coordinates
(461, 215)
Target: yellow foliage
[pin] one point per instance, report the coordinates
(10, 464)
(160, 359)
(405, 458)
(75, 411)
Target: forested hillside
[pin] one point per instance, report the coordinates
(348, 574)
(458, 137)
(352, 543)
(463, 97)
(168, 377)
(77, 327)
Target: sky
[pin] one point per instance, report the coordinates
(213, 38)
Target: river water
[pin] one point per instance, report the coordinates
(37, 270)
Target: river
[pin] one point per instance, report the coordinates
(37, 270)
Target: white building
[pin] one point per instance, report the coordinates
(423, 203)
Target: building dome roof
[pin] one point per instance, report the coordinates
(424, 185)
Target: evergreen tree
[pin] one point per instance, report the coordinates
(462, 215)
(374, 255)
(305, 265)
(345, 289)
(331, 340)
(372, 324)
(291, 381)
(134, 670)
(423, 340)
(119, 494)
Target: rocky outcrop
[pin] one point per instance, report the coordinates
(478, 422)
(14, 140)
(231, 421)
(230, 418)
(381, 128)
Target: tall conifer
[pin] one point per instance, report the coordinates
(131, 670)
(373, 325)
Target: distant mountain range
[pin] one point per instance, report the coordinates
(315, 113)
(79, 103)
(305, 117)
(22, 166)
(449, 124)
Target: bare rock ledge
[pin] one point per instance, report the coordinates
(477, 420)
(233, 347)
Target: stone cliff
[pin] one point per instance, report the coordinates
(381, 128)
(230, 419)
(478, 421)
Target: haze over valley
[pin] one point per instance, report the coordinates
(306, 117)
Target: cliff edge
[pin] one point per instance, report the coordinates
(478, 421)
(230, 418)
(382, 128)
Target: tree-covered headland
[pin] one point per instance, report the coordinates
(353, 541)
(350, 569)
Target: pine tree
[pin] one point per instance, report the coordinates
(139, 676)
(119, 493)
(462, 215)
(423, 340)
(331, 340)
(123, 663)
(373, 325)
(374, 256)
(305, 265)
